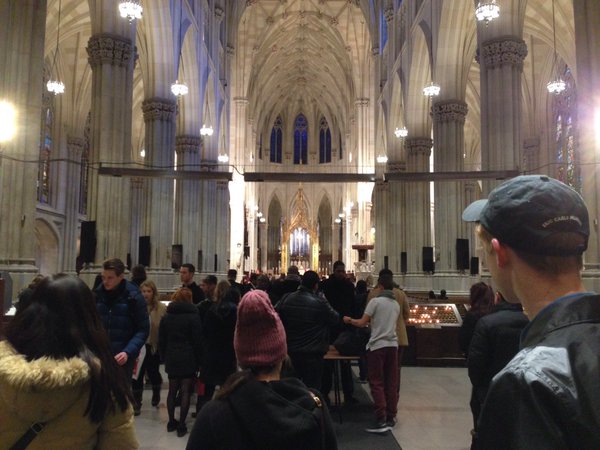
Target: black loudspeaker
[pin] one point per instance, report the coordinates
(216, 260)
(385, 262)
(144, 250)
(176, 256)
(403, 262)
(246, 251)
(428, 259)
(200, 265)
(87, 246)
(474, 265)
(462, 254)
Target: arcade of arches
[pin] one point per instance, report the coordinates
(303, 98)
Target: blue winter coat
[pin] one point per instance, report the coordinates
(125, 317)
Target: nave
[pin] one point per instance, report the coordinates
(433, 414)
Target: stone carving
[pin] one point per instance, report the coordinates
(419, 146)
(186, 143)
(362, 102)
(75, 147)
(450, 111)
(109, 49)
(159, 109)
(396, 166)
(503, 51)
(389, 14)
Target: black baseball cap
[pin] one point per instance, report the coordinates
(525, 212)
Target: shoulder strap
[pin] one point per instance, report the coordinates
(318, 411)
(29, 436)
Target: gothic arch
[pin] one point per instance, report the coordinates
(47, 255)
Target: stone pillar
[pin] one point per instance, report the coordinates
(159, 118)
(382, 212)
(21, 84)
(262, 261)
(222, 216)
(449, 142)
(472, 192)
(188, 217)
(139, 218)
(363, 158)
(395, 217)
(531, 154)
(73, 179)
(111, 58)
(418, 218)
(501, 60)
(587, 39)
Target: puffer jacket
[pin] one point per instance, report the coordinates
(124, 315)
(56, 392)
(547, 396)
(307, 319)
(260, 415)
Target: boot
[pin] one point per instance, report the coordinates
(137, 402)
(155, 394)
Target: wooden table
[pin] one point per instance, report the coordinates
(333, 355)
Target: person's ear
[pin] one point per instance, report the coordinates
(500, 253)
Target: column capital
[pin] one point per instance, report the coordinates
(362, 102)
(75, 146)
(503, 51)
(219, 13)
(396, 166)
(157, 108)
(230, 50)
(450, 111)
(240, 101)
(106, 48)
(186, 143)
(388, 13)
(418, 146)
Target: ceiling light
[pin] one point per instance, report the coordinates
(382, 159)
(487, 11)
(179, 89)
(131, 10)
(206, 130)
(431, 90)
(401, 132)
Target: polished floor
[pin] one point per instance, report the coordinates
(433, 413)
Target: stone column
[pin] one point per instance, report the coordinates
(472, 192)
(395, 217)
(159, 118)
(448, 130)
(418, 218)
(501, 60)
(222, 216)
(531, 154)
(361, 129)
(21, 84)
(587, 40)
(188, 216)
(262, 261)
(73, 179)
(111, 58)
(139, 218)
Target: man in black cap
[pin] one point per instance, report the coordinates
(534, 230)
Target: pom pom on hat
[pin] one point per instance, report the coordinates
(259, 334)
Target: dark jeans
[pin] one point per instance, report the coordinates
(383, 380)
(346, 374)
(309, 368)
(151, 365)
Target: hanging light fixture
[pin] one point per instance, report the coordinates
(432, 89)
(56, 86)
(180, 89)
(558, 85)
(381, 159)
(401, 132)
(487, 11)
(206, 130)
(222, 158)
(131, 10)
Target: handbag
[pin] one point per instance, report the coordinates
(29, 436)
(352, 342)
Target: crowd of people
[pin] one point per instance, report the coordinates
(73, 360)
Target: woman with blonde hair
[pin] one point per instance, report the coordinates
(151, 363)
(180, 346)
(60, 386)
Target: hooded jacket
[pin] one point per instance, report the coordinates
(261, 415)
(56, 392)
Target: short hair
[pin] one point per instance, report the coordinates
(232, 273)
(386, 272)
(293, 270)
(138, 273)
(262, 282)
(547, 265)
(210, 279)
(182, 295)
(338, 264)
(386, 281)
(190, 267)
(310, 278)
(361, 286)
(114, 264)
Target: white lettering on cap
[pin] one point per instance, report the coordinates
(549, 222)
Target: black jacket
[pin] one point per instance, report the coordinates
(180, 339)
(547, 397)
(197, 292)
(306, 319)
(218, 328)
(277, 415)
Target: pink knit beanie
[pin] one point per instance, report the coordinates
(259, 335)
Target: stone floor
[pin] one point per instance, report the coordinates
(433, 413)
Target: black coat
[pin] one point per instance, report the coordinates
(277, 415)
(218, 328)
(180, 340)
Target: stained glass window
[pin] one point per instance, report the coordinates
(565, 120)
(324, 141)
(276, 140)
(43, 181)
(300, 140)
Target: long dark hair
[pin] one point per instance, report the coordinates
(481, 297)
(62, 322)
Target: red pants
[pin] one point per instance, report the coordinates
(383, 380)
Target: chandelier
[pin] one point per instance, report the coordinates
(487, 11)
(558, 85)
(131, 10)
(381, 159)
(222, 158)
(179, 89)
(206, 130)
(431, 90)
(401, 132)
(56, 86)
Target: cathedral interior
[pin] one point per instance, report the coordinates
(256, 134)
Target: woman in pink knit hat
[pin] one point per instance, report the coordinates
(256, 408)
